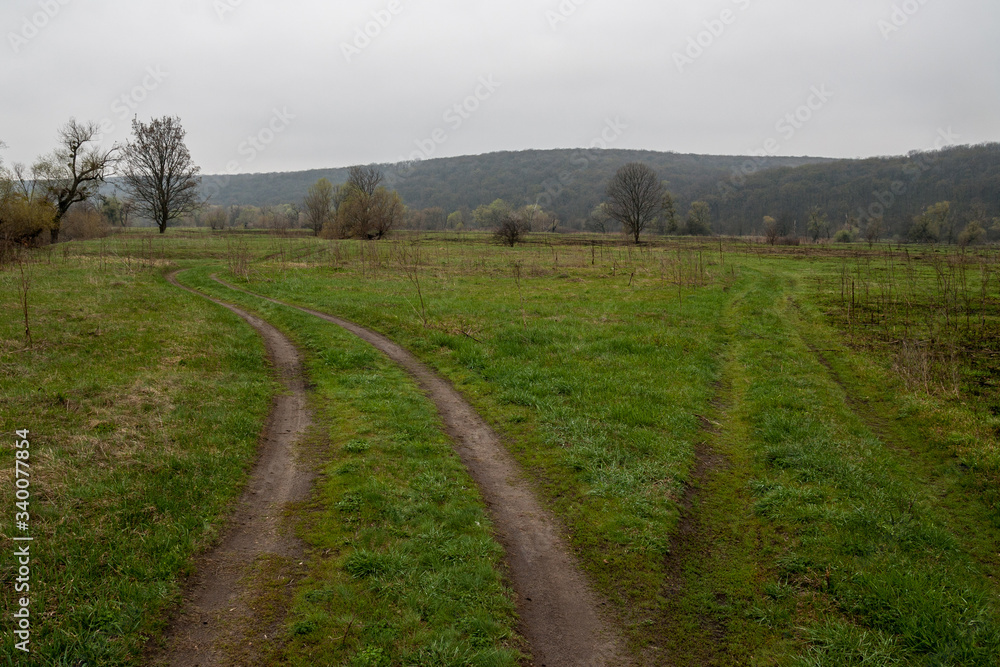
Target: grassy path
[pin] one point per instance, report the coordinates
(859, 551)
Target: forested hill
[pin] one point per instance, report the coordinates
(740, 190)
(896, 188)
(569, 182)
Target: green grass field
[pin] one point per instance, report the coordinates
(762, 456)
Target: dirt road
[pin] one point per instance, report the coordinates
(225, 619)
(564, 621)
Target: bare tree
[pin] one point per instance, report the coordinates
(511, 229)
(217, 218)
(635, 197)
(23, 288)
(365, 208)
(874, 230)
(159, 173)
(772, 230)
(365, 179)
(537, 219)
(74, 172)
(386, 211)
(370, 216)
(319, 205)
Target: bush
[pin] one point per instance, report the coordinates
(23, 222)
(82, 224)
(845, 236)
(510, 231)
(972, 235)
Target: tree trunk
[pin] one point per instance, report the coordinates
(56, 226)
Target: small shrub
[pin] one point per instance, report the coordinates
(844, 236)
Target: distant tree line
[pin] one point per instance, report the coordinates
(806, 197)
(947, 196)
(569, 184)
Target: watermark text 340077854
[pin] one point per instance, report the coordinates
(22, 541)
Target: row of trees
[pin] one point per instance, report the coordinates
(938, 223)
(637, 201)
(159, 177)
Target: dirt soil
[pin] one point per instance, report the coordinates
(225, 620)
(564, 621)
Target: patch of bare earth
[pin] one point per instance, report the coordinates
(564, 621)
(233, 604)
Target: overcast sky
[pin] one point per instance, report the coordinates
(262, 85)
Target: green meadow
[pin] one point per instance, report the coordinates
(760, 455)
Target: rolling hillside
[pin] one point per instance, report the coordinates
(740, 190)
(569, 182)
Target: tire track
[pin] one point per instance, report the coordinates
(222, 614)
(564, 621)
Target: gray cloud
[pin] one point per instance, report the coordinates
(376, 80)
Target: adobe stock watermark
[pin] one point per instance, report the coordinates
(900, 17)
(32, 26)
(248, 150)
(224, 8)
(126, 105)
(22, 542)
(787, 127)
(611, 132)
(454, 117)
(919, 164)
(704, 40)
(563, 12)
(370, 31)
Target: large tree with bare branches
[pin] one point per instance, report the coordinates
(635, 198)
(74, 172)
(158, 171)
